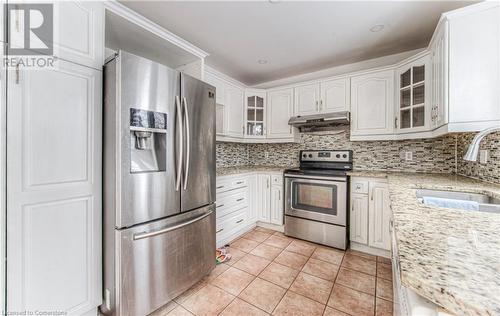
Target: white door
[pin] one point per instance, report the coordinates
(307, 99)
(372, 98)
(335, 95)
(279, 109)
(439, 77)
(253, 205)
(413, 101)
(54, 134)
(255, 114)
(78, 32)
(379, 216)
(277, 204)
(263, 199)
(3, 164)
(234, 111)
(358, 227)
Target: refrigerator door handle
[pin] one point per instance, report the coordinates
(188, 140)
(181, 144)
(171, 228)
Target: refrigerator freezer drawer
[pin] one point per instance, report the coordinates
(160, 260)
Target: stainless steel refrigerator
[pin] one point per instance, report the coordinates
(159, 184)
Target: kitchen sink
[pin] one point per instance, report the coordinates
(485, 203)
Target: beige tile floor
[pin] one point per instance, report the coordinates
(270, 273)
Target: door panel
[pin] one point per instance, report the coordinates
(359, 218)
(149, 86)
(276, 205)
(279, 109)
(264, 197)
(334, 96)
(234, 105)
(54, 218)
(159, 261)
(372, 98)
(198, 99)
(306, 99)
(379, 216)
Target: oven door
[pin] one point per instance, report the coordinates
(317, 198)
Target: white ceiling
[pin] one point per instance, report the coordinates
(295, 37)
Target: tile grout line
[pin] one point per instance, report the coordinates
(255, 277)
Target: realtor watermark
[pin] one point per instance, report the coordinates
(30, 35)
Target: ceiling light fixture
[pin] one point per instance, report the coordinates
(262, 61)
(377, 28)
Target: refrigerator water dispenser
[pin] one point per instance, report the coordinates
(147, 141)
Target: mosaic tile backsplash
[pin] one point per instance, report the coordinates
(436, 155)
(487, 172)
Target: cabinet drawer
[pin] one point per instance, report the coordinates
(359, 186)
(231, 201)
(227, 224)
(225, 185)
(276, 179)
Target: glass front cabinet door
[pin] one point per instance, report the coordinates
(255, 113)
(413, 96)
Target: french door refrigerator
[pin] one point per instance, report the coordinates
(159, 184)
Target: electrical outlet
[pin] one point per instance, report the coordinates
(408, 156)
(483, 156)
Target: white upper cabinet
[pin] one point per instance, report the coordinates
(307, 99)
(335, 95)
(279, 111)
(328, 96)
(218, 84)
(234, 99)
(438, 77)
(79, 32)
(474, 63)
(255, 114)
(413, 96)
(372, 98)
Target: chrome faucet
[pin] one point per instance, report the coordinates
(473, 150)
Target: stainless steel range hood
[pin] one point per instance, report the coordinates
(321, 122)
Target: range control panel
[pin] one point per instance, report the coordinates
(326, 155)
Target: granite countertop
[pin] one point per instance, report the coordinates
(449, 256)
(248, 168)
(367, 173)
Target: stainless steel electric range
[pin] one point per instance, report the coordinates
(317, 197)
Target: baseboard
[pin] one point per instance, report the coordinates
(370, 250)
(278, 228)
(229, 238)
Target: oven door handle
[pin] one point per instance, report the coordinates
(338, 179)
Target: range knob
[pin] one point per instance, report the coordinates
(304, 155)
(338, 156)
(310, 156)
(344, 156)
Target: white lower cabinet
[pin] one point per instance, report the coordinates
(379, 216)
(370, 215)
(276, 200)
(262, 197)
(243, 200)
(359, 218)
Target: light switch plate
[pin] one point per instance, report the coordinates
(483, 156)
